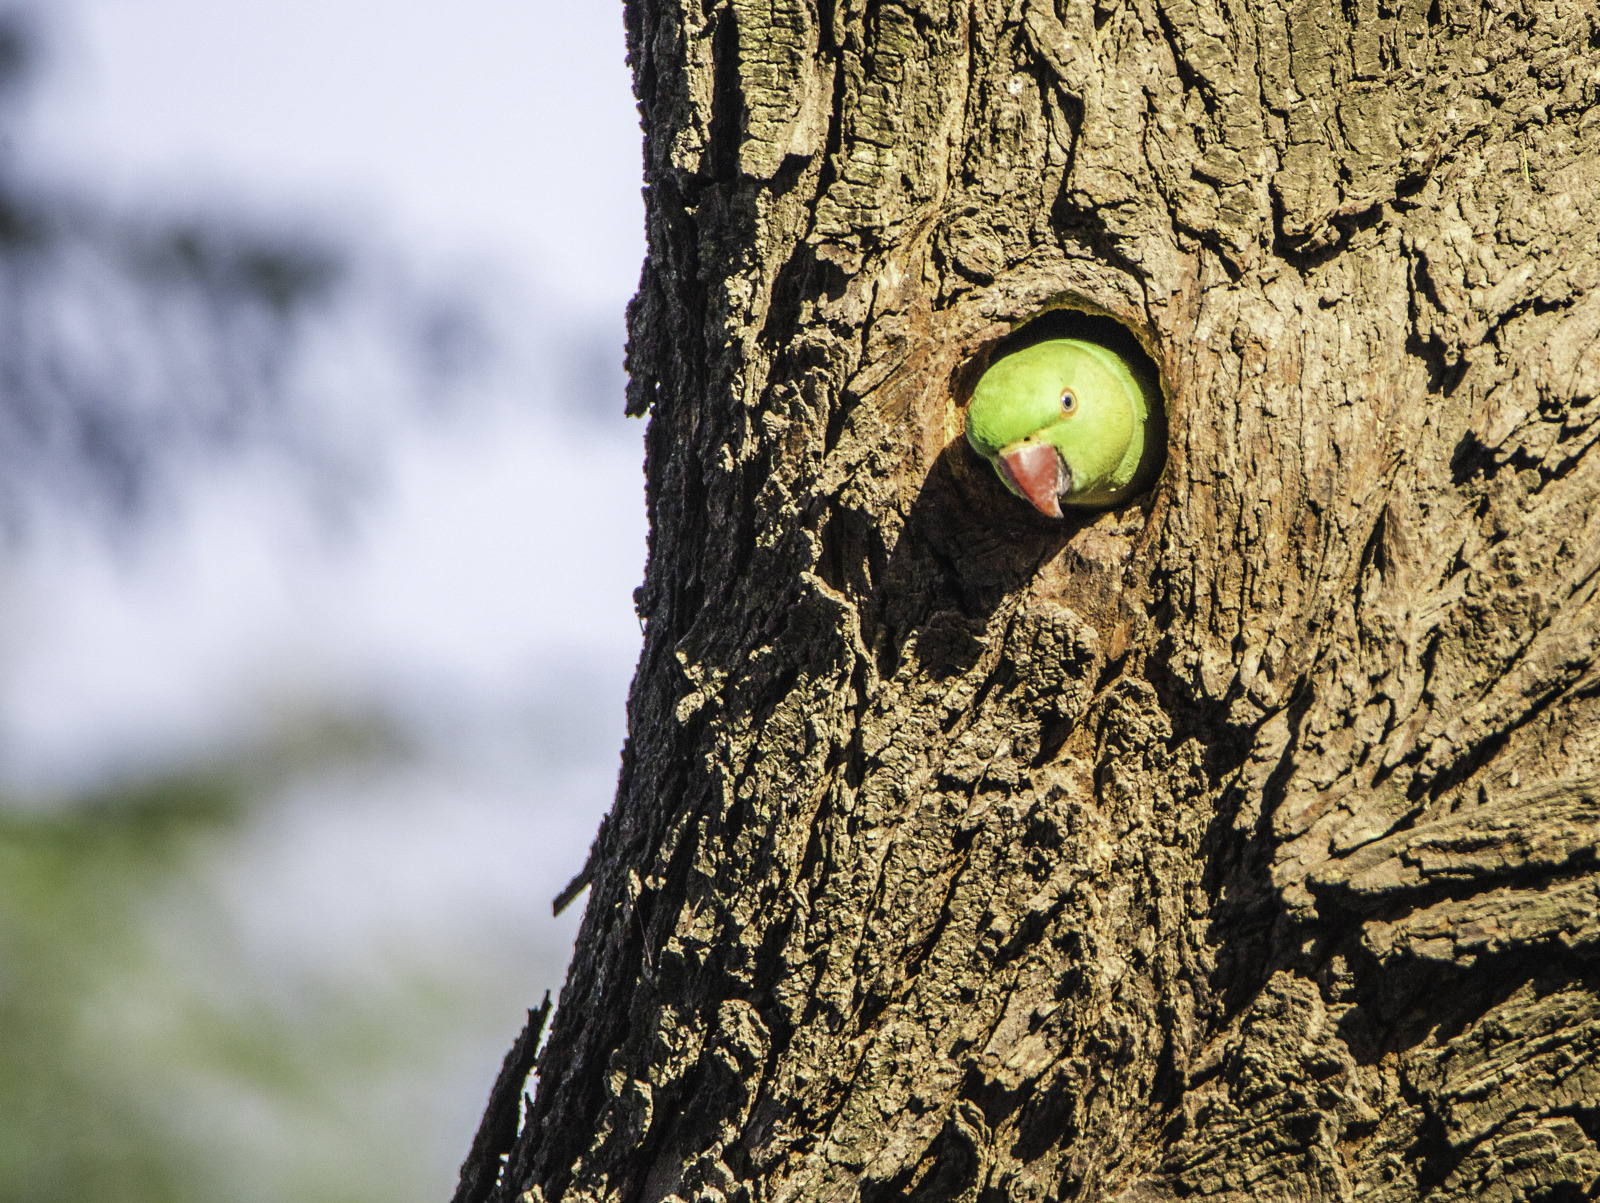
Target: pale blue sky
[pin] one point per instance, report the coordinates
(464, 125)
(489, 139)
(484, 593)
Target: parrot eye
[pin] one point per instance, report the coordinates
(1069, 403)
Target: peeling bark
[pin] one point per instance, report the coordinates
(1237, 844)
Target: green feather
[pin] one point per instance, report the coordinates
(1111, 442)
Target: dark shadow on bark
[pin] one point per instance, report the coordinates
(967, 546)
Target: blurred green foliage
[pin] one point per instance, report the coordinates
(74, 884)
(144, 1058)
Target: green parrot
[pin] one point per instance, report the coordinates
(1068, 422)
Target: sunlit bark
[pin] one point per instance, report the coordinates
(1236, 844)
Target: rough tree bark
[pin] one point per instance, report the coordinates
(1237, 844)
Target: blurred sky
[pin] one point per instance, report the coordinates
(480, 594)
(501, 128)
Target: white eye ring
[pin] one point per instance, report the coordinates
(1069, 403)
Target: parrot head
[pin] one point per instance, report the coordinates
(1067, 422)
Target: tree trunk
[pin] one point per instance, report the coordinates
(1239, 843)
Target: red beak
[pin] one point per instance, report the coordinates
(1037, 471)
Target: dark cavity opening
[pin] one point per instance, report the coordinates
(1072, 323)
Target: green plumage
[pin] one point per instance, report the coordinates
(1111, 438)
